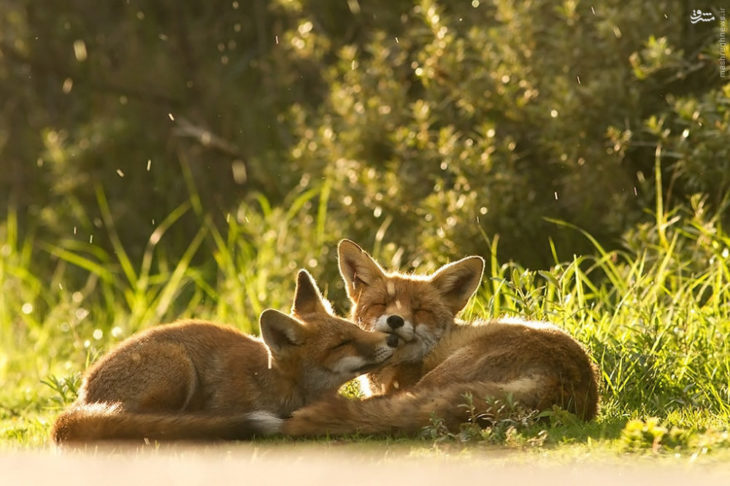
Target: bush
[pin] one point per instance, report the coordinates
(439, 125)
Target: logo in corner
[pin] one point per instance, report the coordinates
(698, 15)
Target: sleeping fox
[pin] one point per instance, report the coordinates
(441, 361)
(200, 380)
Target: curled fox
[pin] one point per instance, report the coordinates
(199, 380)
(441, 360)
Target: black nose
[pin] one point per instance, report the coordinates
(392, 341)
(394, 321)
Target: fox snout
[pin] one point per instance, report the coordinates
(382, 352)
(395, 324)
(395, 321)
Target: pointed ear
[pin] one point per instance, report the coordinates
(357, 268)
(307, 299)
(457, 281)
(280, 331)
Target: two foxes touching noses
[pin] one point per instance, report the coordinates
(199, 380)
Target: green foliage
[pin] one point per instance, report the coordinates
(182, 160)
(653, 316)
(479, 117)
(656, 436)
(502, 423)
(67, 388)
(652, 435)
(433, 121)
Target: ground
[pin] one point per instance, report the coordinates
(352, 464)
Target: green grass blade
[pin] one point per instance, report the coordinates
(99, 270)
(119, 250)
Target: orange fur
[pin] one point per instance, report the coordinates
(442, 360)
(200, 380)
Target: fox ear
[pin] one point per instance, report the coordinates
(357, 268)
(307, 299)
(280, 331)
(457, 281)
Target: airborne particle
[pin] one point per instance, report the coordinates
(239, 171)
(80, 50)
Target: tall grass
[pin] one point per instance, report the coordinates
(55, 321)
(656, 326)
(655, 315)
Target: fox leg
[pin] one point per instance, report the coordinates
(405, 413)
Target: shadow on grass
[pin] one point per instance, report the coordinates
(605, 428)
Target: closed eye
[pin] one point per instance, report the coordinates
(342, 344)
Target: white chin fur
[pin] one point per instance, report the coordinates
(348, 365)
(409, 352)
(422, 343)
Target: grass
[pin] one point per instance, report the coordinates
(655, 317)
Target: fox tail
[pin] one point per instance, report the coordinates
(408, 412)
(91, 422)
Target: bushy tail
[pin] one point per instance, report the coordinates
(408, 412)
(93, 422)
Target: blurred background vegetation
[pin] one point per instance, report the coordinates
(431, 125)
(176, 159)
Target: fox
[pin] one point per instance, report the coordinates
(444, 364)
(198, 380)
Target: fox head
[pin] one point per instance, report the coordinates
(317, 349)
(417, 308)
